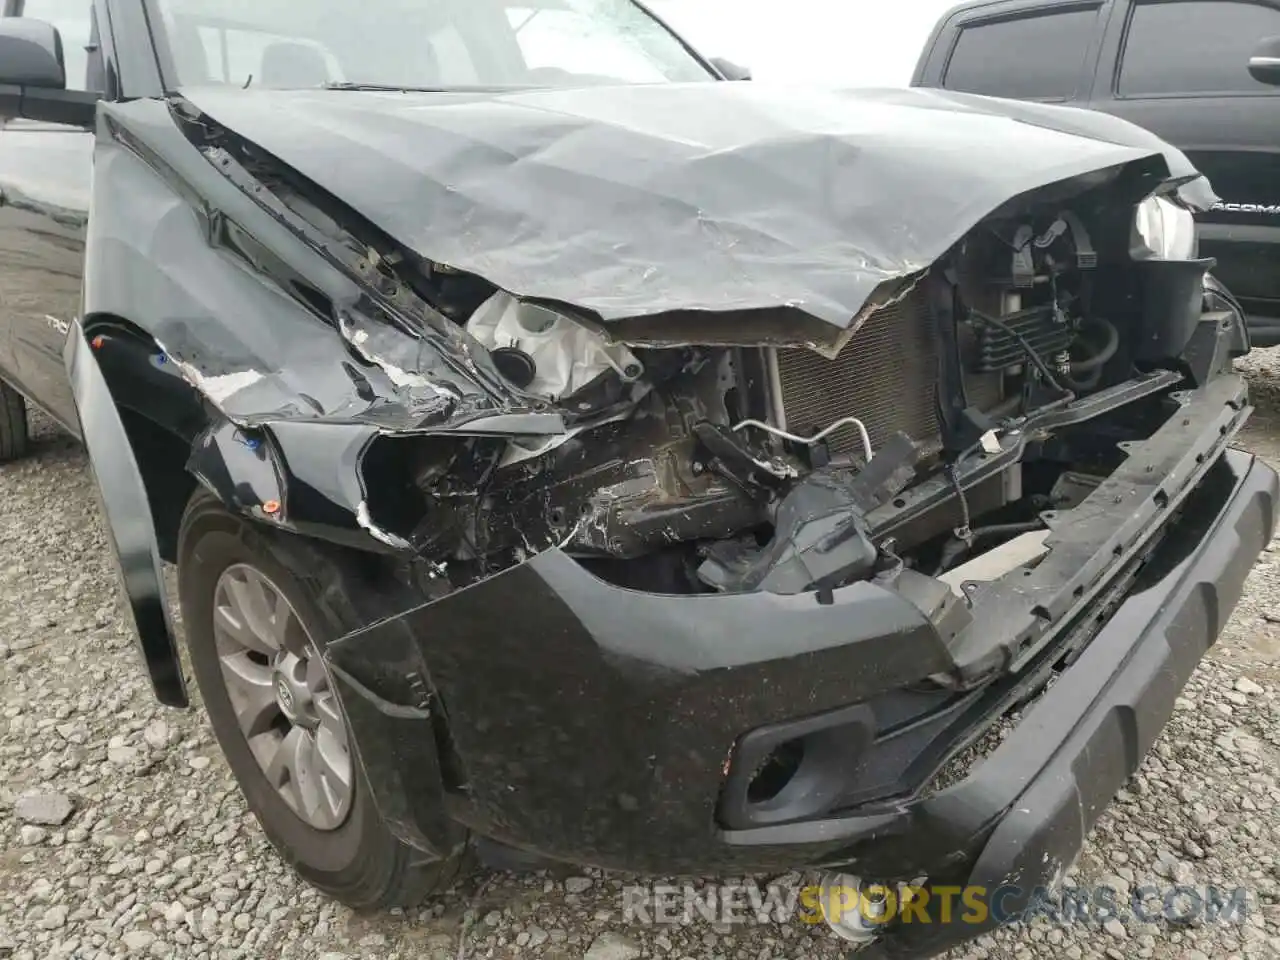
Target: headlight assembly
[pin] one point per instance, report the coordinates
(1168, 230)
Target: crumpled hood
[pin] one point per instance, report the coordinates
(631, 201)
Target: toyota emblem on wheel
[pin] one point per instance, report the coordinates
(284, 694)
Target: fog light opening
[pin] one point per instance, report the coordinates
(776, 770)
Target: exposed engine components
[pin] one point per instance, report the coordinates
(1103, 340)
(818, 437)
(1043, 329)
(1023, 297)
(515, 365)
(822, 539)
(780, 468)
(1062, 245)
(554, 355)
(811, 394)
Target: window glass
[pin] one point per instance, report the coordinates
(453, 57)
(1034, 57)
(423, 43)
(71, 17)
(569, 41)
(1194, 46)
(244, 57)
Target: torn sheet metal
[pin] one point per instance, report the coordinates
(636, 201)
(263, 325)
(237, 465)
(306, 477)
(285, 350)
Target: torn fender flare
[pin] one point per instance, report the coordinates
(237, 467)
(127, 515)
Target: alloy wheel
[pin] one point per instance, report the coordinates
(282, 696)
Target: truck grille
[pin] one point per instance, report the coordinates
(886, 376)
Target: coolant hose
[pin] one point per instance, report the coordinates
(1100, 358)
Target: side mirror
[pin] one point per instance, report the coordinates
(730, 70)
(33, 76)
(1264, 65)
(31, 54)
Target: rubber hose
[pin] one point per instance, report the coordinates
(1100, 358)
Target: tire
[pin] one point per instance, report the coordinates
(13, 423)
(359, 862)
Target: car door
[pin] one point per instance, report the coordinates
(1180, 69)
(1040, 50)
(46, 172)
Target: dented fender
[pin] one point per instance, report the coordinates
(293, 362)
(302, 477)
(127, 515)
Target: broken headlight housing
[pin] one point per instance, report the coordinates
(1167, 228)
(546, 352)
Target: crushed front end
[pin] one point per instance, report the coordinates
(779, 607)
(736, 584)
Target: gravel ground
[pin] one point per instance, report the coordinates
(147, 849)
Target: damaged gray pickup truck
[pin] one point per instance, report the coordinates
(569, 453)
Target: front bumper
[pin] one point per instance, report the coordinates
(554, 712)
(1019, 820)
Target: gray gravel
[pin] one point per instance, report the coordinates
(122, 833)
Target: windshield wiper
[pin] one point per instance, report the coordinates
(350, 85)
(396, 88)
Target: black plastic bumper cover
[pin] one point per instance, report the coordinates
(592, 724)
(1054, 777)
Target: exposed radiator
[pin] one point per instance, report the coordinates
(886, 376)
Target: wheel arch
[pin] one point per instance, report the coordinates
(127, 514)
(153, 440)
(161, 414)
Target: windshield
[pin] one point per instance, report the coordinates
(422, 44)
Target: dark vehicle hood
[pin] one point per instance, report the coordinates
(632, 201)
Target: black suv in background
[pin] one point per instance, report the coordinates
(1202, 74)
